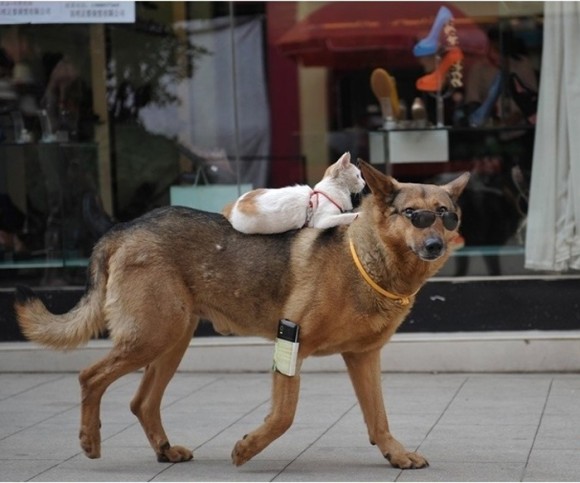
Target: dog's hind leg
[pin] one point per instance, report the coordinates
(94, 382)
(146, 404)
(139, 337)
(365, 373)
(285, 391)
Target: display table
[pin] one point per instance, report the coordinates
(409, 146)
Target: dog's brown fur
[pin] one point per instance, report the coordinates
(151, 280)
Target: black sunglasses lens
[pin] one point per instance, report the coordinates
(450, 220)
(423, 219)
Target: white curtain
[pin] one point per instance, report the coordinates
(205, 120)
(553, 232)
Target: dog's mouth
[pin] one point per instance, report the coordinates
(429, 257)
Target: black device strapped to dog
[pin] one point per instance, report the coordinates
(286, 348)
(288, 330)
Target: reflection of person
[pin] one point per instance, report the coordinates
(63, 97)
(506, 55)
(506, 81)
(18, 55)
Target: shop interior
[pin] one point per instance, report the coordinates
(197, 102)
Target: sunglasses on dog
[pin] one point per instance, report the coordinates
(426, 218)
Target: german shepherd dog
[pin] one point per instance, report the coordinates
(348, 287)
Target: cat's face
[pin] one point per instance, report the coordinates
(353, 178)
(347, 174)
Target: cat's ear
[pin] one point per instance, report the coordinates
(342, 163)
(344, 160)
(337, 167)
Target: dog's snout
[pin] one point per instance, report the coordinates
(433, 247)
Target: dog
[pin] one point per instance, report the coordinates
(348, 288)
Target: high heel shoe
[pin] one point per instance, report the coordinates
(430, 44)
(433, 82)
(482, 113)
(385, 90)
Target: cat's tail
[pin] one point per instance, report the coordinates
(228, 210)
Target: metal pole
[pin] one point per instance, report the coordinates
(235, 97)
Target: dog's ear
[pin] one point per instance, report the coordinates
(456, 187)
(381, 185)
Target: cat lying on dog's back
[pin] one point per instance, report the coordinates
(277, 210)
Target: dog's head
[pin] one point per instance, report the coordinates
(423, 218)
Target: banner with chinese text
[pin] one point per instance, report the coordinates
(66, 12)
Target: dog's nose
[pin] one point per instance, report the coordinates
(433, 246)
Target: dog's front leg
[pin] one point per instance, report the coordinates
(285, 391)
(365, 373)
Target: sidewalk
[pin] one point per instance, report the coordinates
(471, 427)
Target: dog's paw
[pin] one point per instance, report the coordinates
(242, 452)
(407, 461)
(90, 443)
(174, 454)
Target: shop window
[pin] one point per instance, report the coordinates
(48, 155)
(468, 70)
(197, 101)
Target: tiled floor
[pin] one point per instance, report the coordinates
(471, 427)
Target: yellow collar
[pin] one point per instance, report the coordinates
(403, 300)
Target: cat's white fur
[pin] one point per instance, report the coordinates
(277, 210)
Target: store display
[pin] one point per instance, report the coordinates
(444, 75)
(434, 81)
(429, 45)
(482, 113)
(419, 113)
(385, 90)
(447, 60)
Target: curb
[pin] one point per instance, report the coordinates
(518, 351)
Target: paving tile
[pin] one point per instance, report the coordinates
(505, 399)
(29, 445)
(124, 464)
(479, 443)
(222, 470)
(471, 427)
(24, 469)
(559, 432)
(14, 384)
(553, 465)
(465, 471)
(564, 396)
(328, 463)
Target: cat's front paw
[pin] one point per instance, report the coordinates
(348, 218)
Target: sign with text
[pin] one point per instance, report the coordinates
(66, 12)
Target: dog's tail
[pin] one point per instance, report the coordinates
(73, 328)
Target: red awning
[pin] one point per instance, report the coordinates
(348, 35)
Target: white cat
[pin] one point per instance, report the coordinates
(277, 210)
